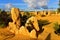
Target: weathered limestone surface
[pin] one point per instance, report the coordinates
(15, 16)
(33, 20)
(14, 26)
(33, 34)
(23, 31)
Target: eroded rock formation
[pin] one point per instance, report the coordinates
(33, 34)
(33, 23)
(14, 26)
(23, 31)
(15, 16)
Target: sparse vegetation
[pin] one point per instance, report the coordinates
(59, 7)
(0, 10)
(58, 10)
(57, 28)
(4, 19)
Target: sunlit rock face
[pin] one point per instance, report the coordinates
(32, 22)
(14, 26)
(33, 34)
(23, 31)
(32, 26)
(15, 16)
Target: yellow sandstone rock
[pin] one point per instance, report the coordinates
(34, 22)
(13, 28)
(33, 34)
(23, 31)
(15, 16)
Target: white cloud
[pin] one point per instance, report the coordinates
(36, 3)
(8, 5)
(12, 4)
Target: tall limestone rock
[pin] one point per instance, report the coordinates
(15, 16)
(14, 26)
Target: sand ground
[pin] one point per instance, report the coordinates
(5, 34)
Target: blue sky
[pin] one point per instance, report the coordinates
(22, 5)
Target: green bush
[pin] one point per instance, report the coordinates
(4, 19)
(2, 25)
(58, 10)
(56, 26)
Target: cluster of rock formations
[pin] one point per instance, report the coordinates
(16, 28)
